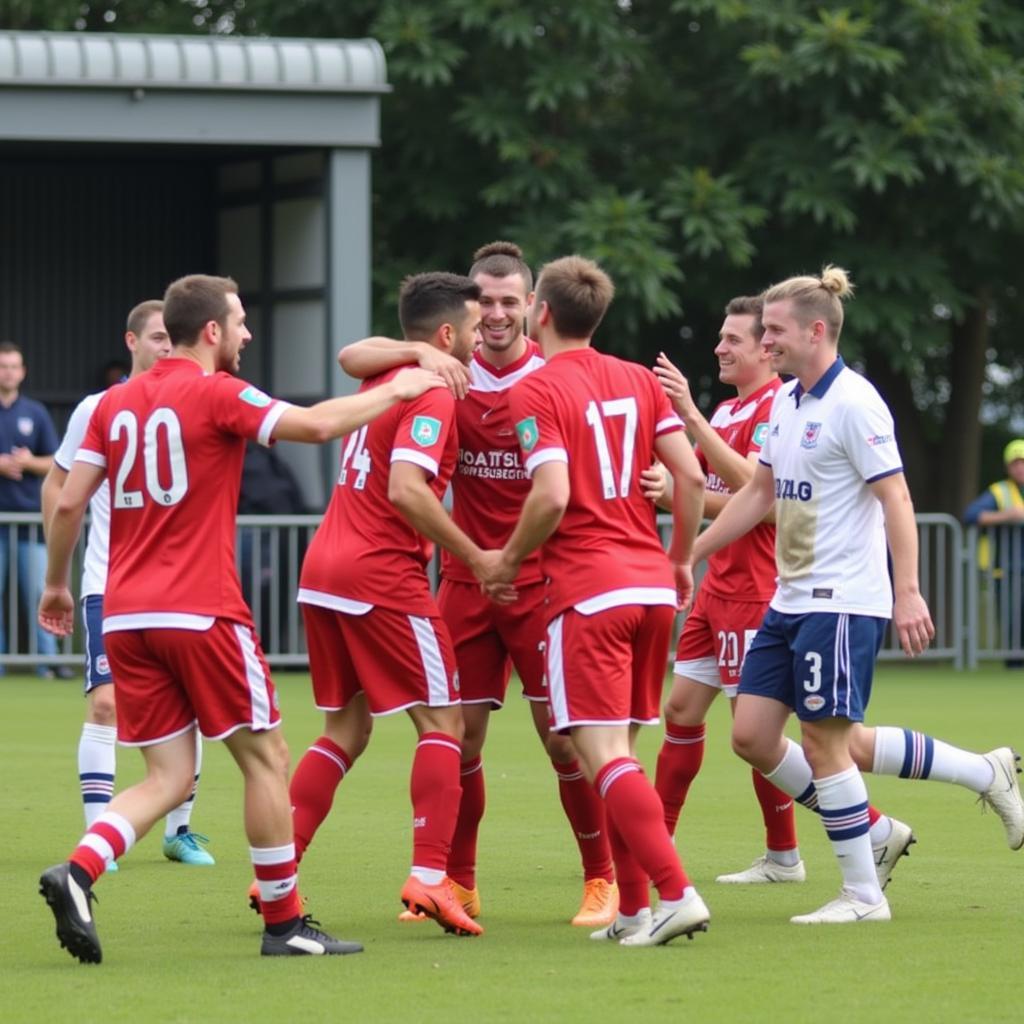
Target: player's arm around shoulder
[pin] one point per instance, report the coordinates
(367, 358)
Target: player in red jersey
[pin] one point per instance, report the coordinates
(377, 643)
(587, 424)
(178, 633)
(488, 490)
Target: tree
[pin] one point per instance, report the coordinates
(705, 148)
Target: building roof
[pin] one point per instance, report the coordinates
(209, 63)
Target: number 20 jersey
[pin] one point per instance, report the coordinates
(172, 441)
(599, 415)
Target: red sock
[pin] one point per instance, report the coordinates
(276, 872)
(635, 809)
(634, 885)
(316, 778)
(678, 764)
(108, 838)
(436, 794)
(873, 814)
(586, 815)
(462, 860)
(777, 811)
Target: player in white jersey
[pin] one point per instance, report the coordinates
(147, 341)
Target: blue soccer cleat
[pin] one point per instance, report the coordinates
(184, 848)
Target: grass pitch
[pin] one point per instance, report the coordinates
(180, 944)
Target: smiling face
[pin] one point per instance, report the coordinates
(789, 344)
(466, 333)
(743, 361)
(503, 302)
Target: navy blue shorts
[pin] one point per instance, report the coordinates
(820, 664)
(97, 668)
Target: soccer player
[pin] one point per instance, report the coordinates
(147, 341)
(178, 633)
(587, 424)
(377, 643)
(488, 490)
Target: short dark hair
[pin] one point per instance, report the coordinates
(191, 302)
(6, 347)
(501, 259)
(425, 301)
(748, 305)
(578, 293)
(140, 314)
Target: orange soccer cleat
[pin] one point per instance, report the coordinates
(600, 904)
(441, 904)
(469, 898)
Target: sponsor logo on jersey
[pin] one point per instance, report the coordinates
(877, 439)
(529, 433)
(825, 593)
(793, 490)
(255, 397)
(425, 431)
(760, 433)
(815, 702)
(810, 437)
(102, 665)
(25, 425)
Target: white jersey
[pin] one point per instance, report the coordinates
(824, 447)
(97, 548)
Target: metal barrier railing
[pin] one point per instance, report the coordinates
(977, 605)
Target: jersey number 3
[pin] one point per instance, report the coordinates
(596, 416)
(162, 427)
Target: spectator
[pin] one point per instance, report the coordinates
(1001, 551)
(28, 440)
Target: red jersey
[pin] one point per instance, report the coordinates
(364, 553)
(745, 569)
(490, 484)
(172, 441)
(599, 415)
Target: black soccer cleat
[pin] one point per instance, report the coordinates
(306, 939)
(69, 902)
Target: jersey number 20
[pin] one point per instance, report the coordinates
(161, 426)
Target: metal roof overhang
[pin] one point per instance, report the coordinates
(109, 88)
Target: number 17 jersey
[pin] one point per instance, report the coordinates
(599, 415)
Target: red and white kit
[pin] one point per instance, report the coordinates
(172, 442)
(367, 567)
(740, 579)
(600, 416)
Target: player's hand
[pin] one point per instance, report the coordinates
(684, 584)
(9, 467)
(675, 385)
(57, 611)
(454, 373)
(412, 381)
(913, 623)
(653, 482)
(495, 575)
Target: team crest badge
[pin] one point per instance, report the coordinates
(25, 425)
(810, 438)
(425, 430)
(528, 432)
(255, 397)
(760, 433)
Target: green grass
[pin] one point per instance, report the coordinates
(180, 945)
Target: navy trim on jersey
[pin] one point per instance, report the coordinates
(882, 476)
(823, 383)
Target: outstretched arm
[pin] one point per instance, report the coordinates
(375, 355)
(744, 510)
(676, 453)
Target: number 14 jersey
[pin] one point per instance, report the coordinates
(599, 415)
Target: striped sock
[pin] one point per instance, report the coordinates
(314, 782)
(277, 877)
(843, 805)
(97, 761)
(915, 755)
(679, 761)
(110, 836)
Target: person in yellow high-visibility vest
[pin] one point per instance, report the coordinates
(1001, 504)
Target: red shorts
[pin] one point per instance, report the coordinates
(715, 638)
(166, 680)
(490, 638)
(608, 668)
(397, 660)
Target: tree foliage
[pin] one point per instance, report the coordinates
(700, 149)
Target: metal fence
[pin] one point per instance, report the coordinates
(977, 602)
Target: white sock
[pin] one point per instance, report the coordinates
(785, 858)
(881, 830)
(428, 876)
(843, 804)
(793, 776)
(97, 759)
(915, 755)
(182, 814)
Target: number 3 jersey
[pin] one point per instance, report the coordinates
(599, 415)
(364, 552)
(172, 441)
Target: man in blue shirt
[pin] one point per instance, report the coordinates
(28, 440)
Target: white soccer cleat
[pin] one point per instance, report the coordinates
(897, 844)
(668, 924)
(765, 870)
(618, 929)
(1003, 796)
(847, 909)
